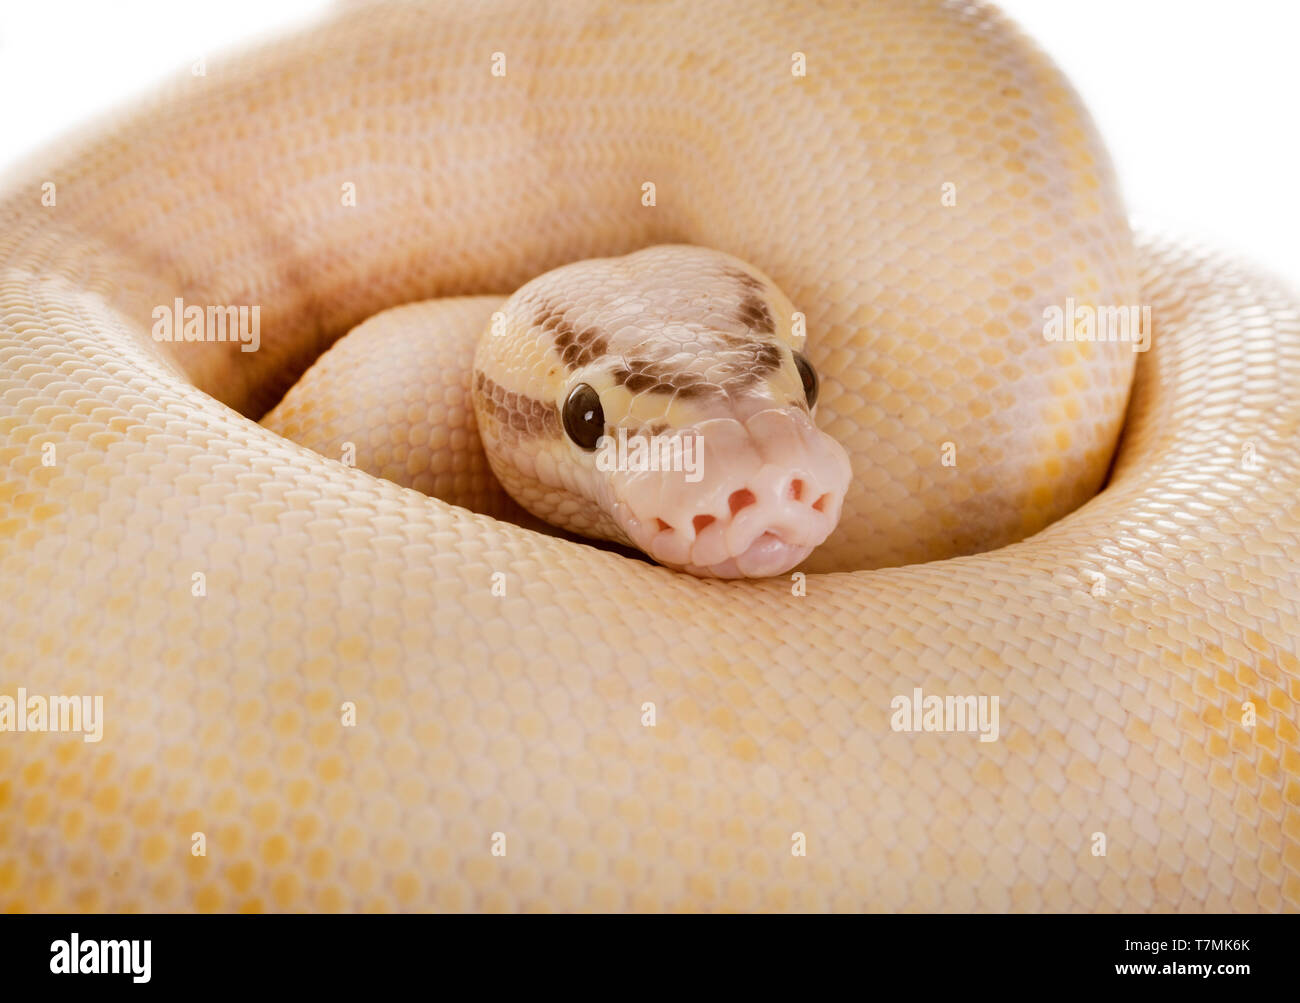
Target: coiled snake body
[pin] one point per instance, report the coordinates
(364, 697)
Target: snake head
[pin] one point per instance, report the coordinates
(663, 399)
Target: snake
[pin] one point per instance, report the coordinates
(698, 449)
(373, 629)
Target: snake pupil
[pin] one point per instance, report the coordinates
(584, 418)
(809, 376)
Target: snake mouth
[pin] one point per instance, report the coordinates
(771, 492)
(763, 543)
(767, 556)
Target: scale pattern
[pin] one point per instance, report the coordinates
(394, 399)
(501, 677)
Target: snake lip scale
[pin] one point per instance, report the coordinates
(366, 621)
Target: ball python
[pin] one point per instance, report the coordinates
(659, 400)
(369, 683)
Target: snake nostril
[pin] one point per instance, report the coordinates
(703, 522)
(741, 499)
(663, 526)
(796, 489)
(820, 504)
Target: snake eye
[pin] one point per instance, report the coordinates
(584, 418)
(809, 376)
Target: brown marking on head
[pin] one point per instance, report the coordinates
(755, 315)
(655, 377)
(635, 382)
(576, 348)
(698, 391)
(767, 358)
(747, 281)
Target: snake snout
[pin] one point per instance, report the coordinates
(771, 490)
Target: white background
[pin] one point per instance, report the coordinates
(1197, 99)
